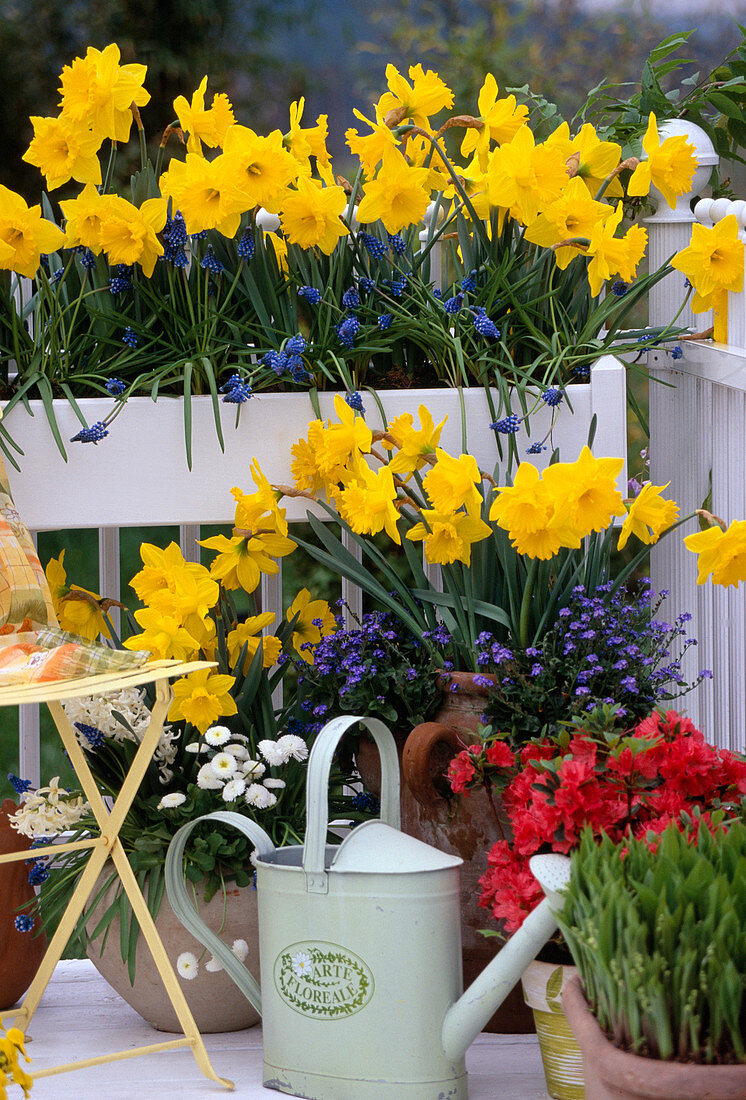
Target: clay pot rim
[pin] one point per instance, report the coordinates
(672, 1078)
(465, 682)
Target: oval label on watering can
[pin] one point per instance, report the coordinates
(322, 980)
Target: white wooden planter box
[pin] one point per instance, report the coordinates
(138, 475)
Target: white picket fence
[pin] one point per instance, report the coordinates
(698, 444)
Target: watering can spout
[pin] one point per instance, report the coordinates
(466, 1018)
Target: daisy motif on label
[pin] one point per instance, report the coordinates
(322, 980)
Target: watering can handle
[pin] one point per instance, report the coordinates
(186, 911)
(317, 790)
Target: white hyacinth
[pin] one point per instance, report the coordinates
(187, 965)
(98, 711)
(223, 765)
(259, 797)
(217, 735)
(233, 789)
(206, 778)
(48, 811)
(171, 801)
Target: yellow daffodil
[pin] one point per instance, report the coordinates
(63, 151)
(242, 559)
(419, 153)
(415, 445)
(260, 167)
(526, 511)
(425, 96)
(311, 215)
(171, 585)
(206, 192)
(279, 248)
(398, 194)
(525, 177)
(295, 140)
(248, 633)
(201, 124)
(370, 147)
(367, 502)
(26, 232)
(610, 255)
(83, 216)
(584, 492)
(315, 621)
(670, 165)
(596, 159)
(448, 537)
(308, 473)
(202, 697)
(714, 258)
(162, 635)
(649, 515)
(128, 233)
(501, 120)
(56, 575)
(452, 483)
(97, 92)
(337, 444)
(266, 495)
(573, 215)
(722, 553)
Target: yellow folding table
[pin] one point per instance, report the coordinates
(108, 845)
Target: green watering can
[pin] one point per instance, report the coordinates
(360, 950)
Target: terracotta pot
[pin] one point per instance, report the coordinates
(20, 952)
(613, 1074)
(462, 826)
(213, 998)
(560, 1054)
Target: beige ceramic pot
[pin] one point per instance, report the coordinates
(613, 1074)
(563, 1062)
(213, 998)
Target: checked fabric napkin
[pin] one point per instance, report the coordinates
(32, 646)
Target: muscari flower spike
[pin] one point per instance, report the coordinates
(129, 337)
(376, 248)
(535, 449)
(210, 262)
(94, 434)
(553, 396)
(509, 425)
(246, 244)
(677, 352)
(469, 282)
(355, 401)
(384, 321)
(236, 390)
(92, 734)
(351, 298)
(485, 327)
(347, 331)
(311, 295)
(397, 244)
(24, 923)
(453, 305)
(365, 285)
(20, 786)
(398, 286)
(120, 280)
(296, 345)
(114, 386)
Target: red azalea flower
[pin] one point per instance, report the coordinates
(461, 771)
(500, 755)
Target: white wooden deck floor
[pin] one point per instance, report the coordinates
(80, 1016)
